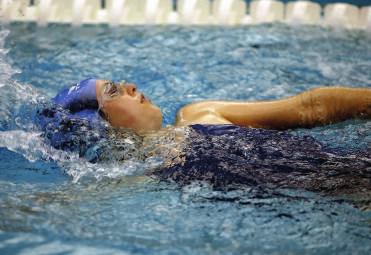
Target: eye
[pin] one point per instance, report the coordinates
(111, 89)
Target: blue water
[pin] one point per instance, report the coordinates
(54, 202)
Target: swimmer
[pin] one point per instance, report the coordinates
(226, 143)
(123, 105)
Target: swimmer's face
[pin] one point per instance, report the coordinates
(124, 106)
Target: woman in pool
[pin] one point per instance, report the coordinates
(258, 155)
(124, 106)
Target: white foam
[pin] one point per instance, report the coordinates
(17, 101)
(32, 146)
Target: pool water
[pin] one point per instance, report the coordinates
(53, 202)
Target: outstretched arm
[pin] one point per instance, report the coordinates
(318, 106)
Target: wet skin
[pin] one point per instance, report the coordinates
(319, 106)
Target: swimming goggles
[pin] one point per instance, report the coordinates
(112, 89)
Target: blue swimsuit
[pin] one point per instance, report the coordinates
(222, 155)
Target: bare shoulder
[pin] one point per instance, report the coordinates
(193, 108)
(205, 112)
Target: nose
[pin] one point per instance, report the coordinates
(131, 89)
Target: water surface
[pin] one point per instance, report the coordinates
(55, 202)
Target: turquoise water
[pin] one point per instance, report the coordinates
(57, 203)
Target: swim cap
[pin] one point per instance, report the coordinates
(79, 97)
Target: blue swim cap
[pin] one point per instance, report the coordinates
(79, 97)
